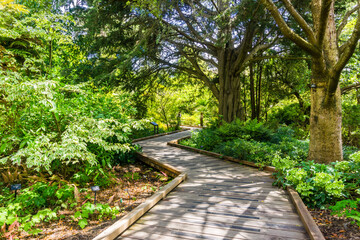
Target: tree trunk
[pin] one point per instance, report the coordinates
(325, 115)
(50, 54)
(258, 95)
(230, 104)
(252, 93)
(325, 126)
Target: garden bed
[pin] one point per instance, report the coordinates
(333, 227)
(140, 180)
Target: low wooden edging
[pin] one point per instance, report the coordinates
(124, 223)
(159, 135)
(309, 223)
(175, 143)
(310, 226)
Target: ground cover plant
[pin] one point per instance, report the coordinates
(64, 210)
(251, 141)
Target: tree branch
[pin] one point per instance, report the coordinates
(345, 20)
(202, 75)
(278, 57)
(347, 89)
(348, 47)
(188, 24)
(190, 38)
(324, 15)
(300, 20)
(288, 32)
(197, 48)
(217, 9)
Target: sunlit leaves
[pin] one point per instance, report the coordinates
(50, 121)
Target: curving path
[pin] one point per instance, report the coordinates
(219, 200)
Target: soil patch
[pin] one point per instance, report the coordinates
(334, 227)
(137, 182)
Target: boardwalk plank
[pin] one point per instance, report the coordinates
(191, 217)
(220, 200)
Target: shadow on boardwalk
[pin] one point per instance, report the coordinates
(219, 200)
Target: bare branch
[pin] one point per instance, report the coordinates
(254, 51)
(300, 20)
(185, 45)
(188, 24)
(217, 9)
(288, 32)
(324, 15)
(348, 47)
(347, 89)
(201, 75)
(345, 20)
(190, 38)
(208, 60)
(278, 57)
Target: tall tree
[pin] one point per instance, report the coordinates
(329, 57)
(212, 41)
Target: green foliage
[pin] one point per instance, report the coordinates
(351, 124)
(184, 97)
(251, 141)
(37, 203)
(47, 121)
(347, 208)
(41, 202)
(134, 176)
(99, 211)
(320, 184)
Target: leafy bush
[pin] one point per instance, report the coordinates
(320, 184)
(205, 139)
(251, 141)
(49, 121)
(289, 114)
(35, 204)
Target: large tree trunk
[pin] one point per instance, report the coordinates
(325, 115)
(230, 104)
(325, 125)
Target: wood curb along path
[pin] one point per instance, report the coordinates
(219, 200)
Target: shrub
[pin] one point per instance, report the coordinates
(250, 141)
(320, 184)
(51, 124)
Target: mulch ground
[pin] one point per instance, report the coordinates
(334, 227)
(137, 182)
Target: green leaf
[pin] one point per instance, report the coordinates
(83, 223)
(77, 214)
(11, 219)
(85, 214)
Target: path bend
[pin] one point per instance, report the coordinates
(220, 200)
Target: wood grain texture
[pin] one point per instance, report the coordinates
(219, 200)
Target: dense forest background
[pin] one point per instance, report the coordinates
(80, 79)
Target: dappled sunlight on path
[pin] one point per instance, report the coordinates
(219, 200)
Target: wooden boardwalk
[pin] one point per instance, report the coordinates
(219, 200)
